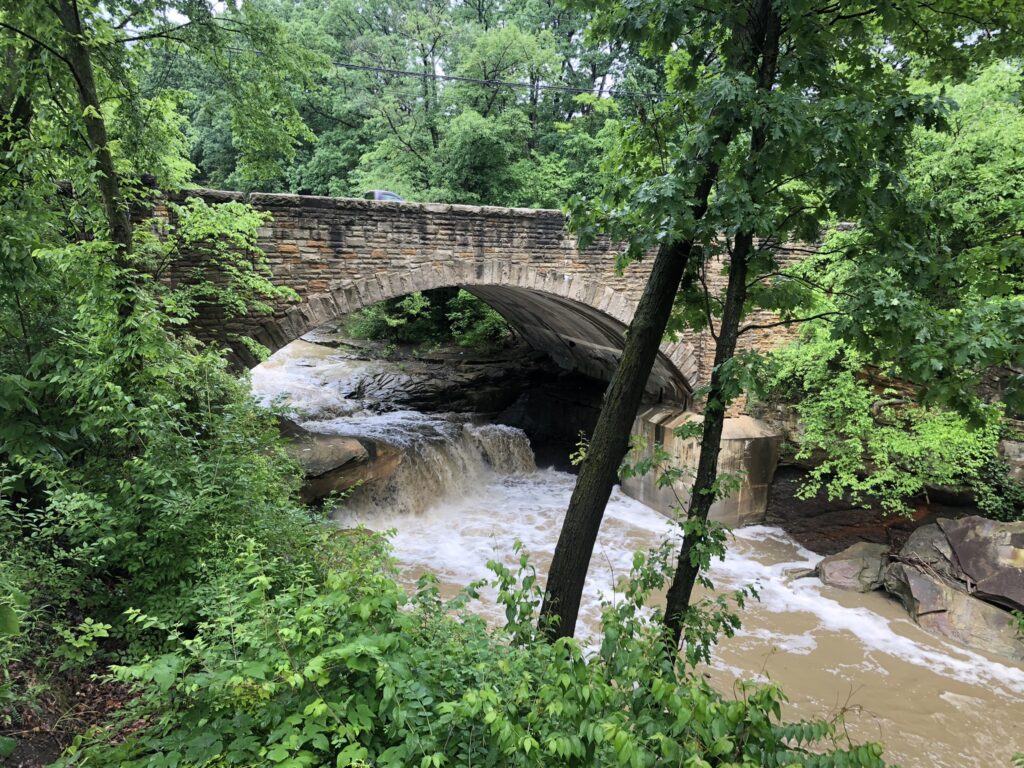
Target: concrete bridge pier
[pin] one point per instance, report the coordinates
(750, 450)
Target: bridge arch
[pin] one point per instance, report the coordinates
(580, 323)
(341, 255)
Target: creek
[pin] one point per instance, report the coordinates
(466, 491)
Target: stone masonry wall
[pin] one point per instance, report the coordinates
(340, 255)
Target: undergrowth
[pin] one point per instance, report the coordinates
(337, 666)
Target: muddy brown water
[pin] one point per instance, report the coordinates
(930, 702)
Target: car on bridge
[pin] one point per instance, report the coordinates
(383, 194)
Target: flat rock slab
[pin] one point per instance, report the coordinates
(945, 610)
(991, 555)
(858, 567)
(336, 463)
(319, 454)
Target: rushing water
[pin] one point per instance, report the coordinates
(465, 492)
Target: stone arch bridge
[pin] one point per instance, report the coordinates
(341, 255)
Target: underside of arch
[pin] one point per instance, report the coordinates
(580, 323)
(577, 337)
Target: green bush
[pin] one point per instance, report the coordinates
(876, 441)
(434, 317)
(303, 668)
(130, 458)
(473, 324)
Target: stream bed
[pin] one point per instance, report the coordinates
(466, 491)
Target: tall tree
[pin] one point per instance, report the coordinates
(90, 373)
(935, 284)
(821, 106)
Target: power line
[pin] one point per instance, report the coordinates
(490, 83)
(481, 81)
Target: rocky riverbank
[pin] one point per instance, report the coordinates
(827, 526)
(957, 578)
(957, 574)
(912, 557)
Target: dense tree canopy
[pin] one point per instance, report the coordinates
(779, 120)
(457, 102)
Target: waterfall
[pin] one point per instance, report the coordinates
(443, 457)
(466, 492)
(506, 449)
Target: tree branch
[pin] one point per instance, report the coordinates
(37, 41)
(790, 321)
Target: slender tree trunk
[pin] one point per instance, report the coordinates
(610, 440)
(430, 99)
(702, 495)
(766, 39)
(599, 471)
(80, 62)
(531, 143)
(15, 102)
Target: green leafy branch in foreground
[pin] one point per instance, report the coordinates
(295, 667)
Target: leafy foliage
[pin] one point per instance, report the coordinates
(233, 275)
(340, 668)
(432, 317)
(932, 281)
(465, 141)
(875, 440)
(130, 458)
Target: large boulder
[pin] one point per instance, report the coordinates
(336, 463)
(929, 550)
(320, 454)
(990, 555)
(941, 608)
(859, 567)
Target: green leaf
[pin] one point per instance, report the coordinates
(7, 746)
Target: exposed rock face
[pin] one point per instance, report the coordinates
(1012, 452)
(827, 526)
(447, 379)
(990, 555)
(554, 414)
(945, 568)
(335, 463)
(944, 609)
(928, 549)
(319, 454)
(859, 567)
(939, 576)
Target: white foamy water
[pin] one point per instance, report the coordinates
(466, 493)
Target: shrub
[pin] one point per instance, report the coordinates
(340, 668)
(130, 458)
(431, 317)
(876, 441)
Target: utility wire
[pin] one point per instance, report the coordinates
(491, 83)
(481, 81)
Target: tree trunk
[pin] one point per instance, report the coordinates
(15, 103)
(80, 62)
(608, 445)
(599, 471)
(766, 40)
(702, 495)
